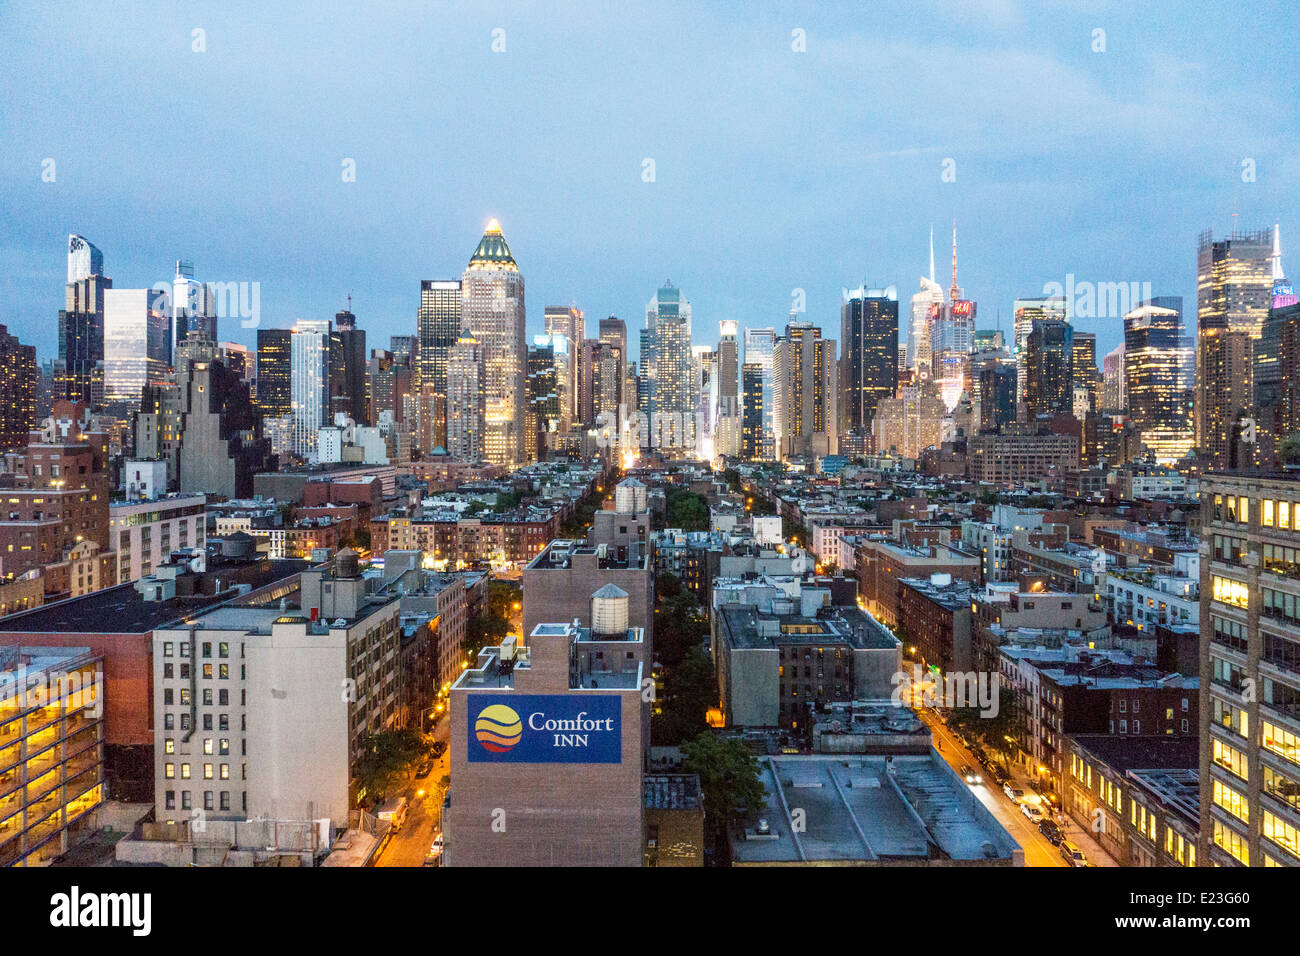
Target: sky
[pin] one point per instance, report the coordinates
(743, 156)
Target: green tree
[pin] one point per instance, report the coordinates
(1289, 451)
(728, 773)
(691, 689)
(679, 626)
(386, 758)
(686, 510)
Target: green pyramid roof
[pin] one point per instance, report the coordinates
(492, 251)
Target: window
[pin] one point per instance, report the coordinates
(223, 649)
(185, 771)
(169, 770)
(207, 771)
(169, 745)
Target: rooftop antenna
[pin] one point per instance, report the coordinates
(932, 253)
(1277, 252)
(954, 293)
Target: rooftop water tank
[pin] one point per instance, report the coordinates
(609, 611)
(631, 497)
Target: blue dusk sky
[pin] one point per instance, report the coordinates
(774, 168)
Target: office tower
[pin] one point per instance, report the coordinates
(1025, 312)
(546, 384)
(201, 421)
(18, 385)
(1276, 371)
(1158, 377)
(993, 379)
(952, 338)
(309, 352)
(348, 369)
(193, 306)
(704, 385)
(389, 382)
(1234, 283)
(1048, 366)
(869, 361)
(1085, 366)
(466, 399)
(274, 372)
(81, 323)
(84, 259)
(137, 345)
(492, 308)
(1250, 627)
(589, 356)
(760, 347)
(1112, 389)
(666, 371)
(569, 322)
(438, 327)
(924, 303)
(805, 383)
(752, 430)
(405, 347)
(985, 339)
(907, 424)
(239, 359)
(727, 420)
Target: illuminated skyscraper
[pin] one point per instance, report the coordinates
(1234, 284)
(1048, 364)
(1085, 365)
(309, 357)
(806, 385)
(137, 345)
(81, 325)
(869, 360)
(760, 346)
(918, 329)
(727, 420)
(1158, 376)
(1112, 390)
(570, 322)
(18, 377)
(438, 326)
(466, 399)
(952, 338)
(545, 386)
(194, 306)
(492, 308)
(666, 371)
(1025, 311)
(274, 372)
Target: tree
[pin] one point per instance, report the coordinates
(691, 689)
(667, 585)
(680, 625)
(686, 510)
(1289, 451)
(386, 757)
(728, 773)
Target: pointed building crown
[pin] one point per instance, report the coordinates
(492, 251)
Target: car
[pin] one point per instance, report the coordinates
(434, 856)
(971, 776)
(1051, 831)
(1014, 794)
(1072, 854)
(425, 766)
(439, 748)
(1032, 811)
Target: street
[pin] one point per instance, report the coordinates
(410, 845)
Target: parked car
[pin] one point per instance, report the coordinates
(439, 747)
(1032, 811)
(1051, 831)
(1014, 794)
(1072, 854)
(971, 776)
(425, 766)
(434, 856)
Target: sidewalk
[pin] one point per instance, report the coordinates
(1079, 836)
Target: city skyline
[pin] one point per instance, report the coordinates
(1032, 208)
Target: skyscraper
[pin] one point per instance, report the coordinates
(1085, 365)
(544, 387)
(1048, 365)
(805, 383)
(666, 371)
(727, 421)
(81, 324)
(274, 372)
(1024, 312)
(1112, 389)
(752, 430)
(952, 338)
(18, 378)
(348, 369)
(1234, 283)
(438, 327)
(309, 383)
(466, 399)
(492, 308)
(760, 347)
(568, 321)
(137, 345)
(193, 306)
(918, 328)
(1158, 375)
(869, 360)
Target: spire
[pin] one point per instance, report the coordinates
(1277, 252)
(955, 293)
(932, 253)
(492, 251)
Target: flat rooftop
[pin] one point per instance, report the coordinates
(122, 610)
(873, 809)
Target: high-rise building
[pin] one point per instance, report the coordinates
(1276, 371)
(806, 385)
(666, 367)
(309, 383)
(274, 372)
(569, 322)
(466, 399)
(492, 308)
(545, 388)
(137, 345)
(910, 423)
(18, 378)
(952, 339)
(1024, 313)
(1048, 366)
(760, 348)
(348, 369)
(993, 380)
(438, 325)
(869, 360)
(194, 306)
(81, 324)
(752, 429)
(1250, 627)
(727, 415)
(1158, 377)
(1112, 389)
(924, 303)
(1085, 366)
(1234, 284)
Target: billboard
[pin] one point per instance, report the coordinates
(544, 728)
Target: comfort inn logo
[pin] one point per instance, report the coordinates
(498, 728)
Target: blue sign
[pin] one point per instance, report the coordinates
(545, 728)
